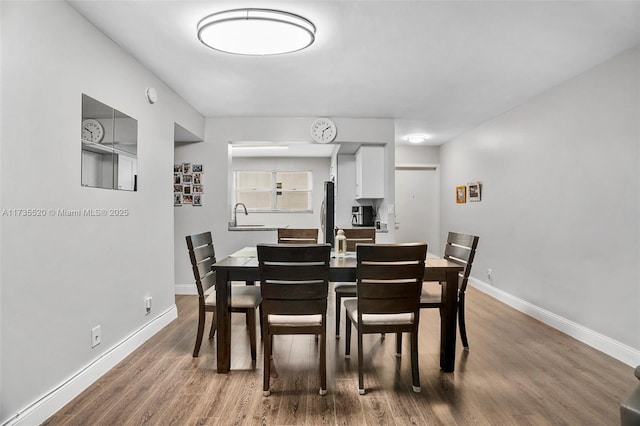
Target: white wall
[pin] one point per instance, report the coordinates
(417, 155)
(1, 207)
(61, 276)
(558, 220)
(214, 215)
(345, 190)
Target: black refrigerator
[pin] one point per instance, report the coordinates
(327, 212)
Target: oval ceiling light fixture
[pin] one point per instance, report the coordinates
(417, 138)
(256, 32)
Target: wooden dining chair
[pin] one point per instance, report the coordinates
(389, 281)
(460, 248)
(354, 236)
(294, 280)
(297, 236)
(244, 299)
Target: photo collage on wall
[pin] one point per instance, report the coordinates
(187, 184)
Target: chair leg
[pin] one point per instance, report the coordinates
(261, 321)
(323, 361)
(338, 307)
(212, 331)
(360, 365)
(461, 323)
(398, 345)
(347, 331)
(251, 319)
(415, 371)
(267, 363)
(201, 319)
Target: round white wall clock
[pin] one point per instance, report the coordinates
(92, 130)
(323, 130)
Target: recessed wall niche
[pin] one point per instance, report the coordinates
(109, 147)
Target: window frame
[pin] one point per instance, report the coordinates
(275, 191)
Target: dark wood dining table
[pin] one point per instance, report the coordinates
(243, 266)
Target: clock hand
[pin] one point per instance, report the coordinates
(89, 131)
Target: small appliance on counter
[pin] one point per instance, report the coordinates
(362, 216)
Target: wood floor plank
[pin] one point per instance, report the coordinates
(517, 372)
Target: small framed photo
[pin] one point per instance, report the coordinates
(186, 189)
(197, 189)
(177, 178)
(187, 199)
(197, 200)
(461, 194)
(197, 178)
(177, 198)
(187, 179)
(196, 168)
(474, 189)
(177, 188)
(177, 168)
(186, 168)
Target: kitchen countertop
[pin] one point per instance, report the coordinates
(254, 227)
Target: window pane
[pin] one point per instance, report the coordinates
(254, 199)
(299, 200)
(253, 180)
(300, 181)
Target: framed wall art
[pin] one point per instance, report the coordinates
(461, 194)
(474, 189)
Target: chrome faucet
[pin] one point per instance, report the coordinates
(235, 213)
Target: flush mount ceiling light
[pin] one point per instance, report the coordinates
(417, 138)
(256, 32)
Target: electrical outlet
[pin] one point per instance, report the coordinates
(147, 304)
(95, 336)
(490, 274)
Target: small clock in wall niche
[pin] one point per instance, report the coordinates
(92, 130)
(323, 130)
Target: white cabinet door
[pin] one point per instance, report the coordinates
(126, 172)
(370, 172)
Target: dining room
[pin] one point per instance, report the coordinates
(546, 151)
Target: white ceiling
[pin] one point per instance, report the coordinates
(437, 67)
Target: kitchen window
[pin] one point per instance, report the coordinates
(274, 191)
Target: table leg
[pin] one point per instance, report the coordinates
(448, 322)
(223, 321)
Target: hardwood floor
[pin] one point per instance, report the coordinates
(518, 372)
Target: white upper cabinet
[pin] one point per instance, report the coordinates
(370, 172)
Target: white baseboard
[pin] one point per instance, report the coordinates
(47, 405)
(188, 289)
(611, 347)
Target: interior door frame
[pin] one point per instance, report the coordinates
(436, 168)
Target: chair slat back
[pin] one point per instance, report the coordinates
(359, 236)
(389, 277)
(461, 248)
(202, 256)
(297, 236)
(294, 279)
